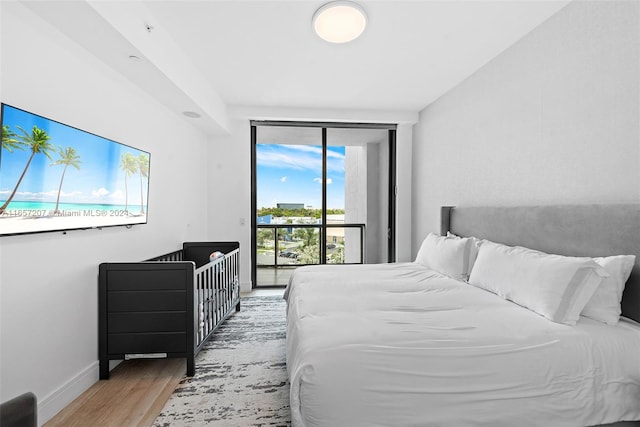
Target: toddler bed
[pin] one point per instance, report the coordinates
(167, 306)
(406, 345)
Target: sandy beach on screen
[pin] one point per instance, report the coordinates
(34, 224)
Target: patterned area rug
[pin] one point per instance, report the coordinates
(241, 375)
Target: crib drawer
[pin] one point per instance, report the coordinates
(171, 321)
(147, 279)
(138, 301)
(169, 342)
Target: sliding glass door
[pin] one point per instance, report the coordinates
(320, 195)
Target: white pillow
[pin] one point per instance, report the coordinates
(473, 250)
(604, 305)
(554, 286)
(446, 255)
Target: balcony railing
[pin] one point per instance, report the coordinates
(293, 245)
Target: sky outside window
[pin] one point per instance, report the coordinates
(293, 174)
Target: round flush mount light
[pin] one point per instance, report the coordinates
(191, 114)
(339, 21)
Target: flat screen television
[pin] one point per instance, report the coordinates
(55, 177)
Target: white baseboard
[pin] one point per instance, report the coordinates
(53, 403)
(245, 286)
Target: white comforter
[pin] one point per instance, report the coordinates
(400, 345)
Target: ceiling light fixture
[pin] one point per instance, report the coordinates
(191, 114)
(339, 21)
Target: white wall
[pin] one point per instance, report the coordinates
(355, 199)
(48, 282)
(229, 189)
(373, 240)
(404, 185)
(553, 119)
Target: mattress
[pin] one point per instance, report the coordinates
(401, 345)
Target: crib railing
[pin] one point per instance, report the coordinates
(217, 292)
(171, 256)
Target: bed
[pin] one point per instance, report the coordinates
(404, 345)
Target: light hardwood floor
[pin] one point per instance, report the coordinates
(133, 396)
(135, 393)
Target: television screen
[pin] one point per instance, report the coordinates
(55, 177)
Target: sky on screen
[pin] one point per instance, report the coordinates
(99, 179)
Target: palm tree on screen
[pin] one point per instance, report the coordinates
(129, 164)
(143, 169)
(68, 157)
(9, 141)
(38, 141)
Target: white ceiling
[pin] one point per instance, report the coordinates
(207, 55)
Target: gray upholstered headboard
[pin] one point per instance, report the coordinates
(572, 230)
